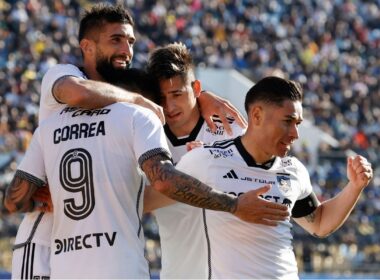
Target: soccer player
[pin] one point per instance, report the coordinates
(91, 159)
(106, 39)
(259, 157)
(181, 227)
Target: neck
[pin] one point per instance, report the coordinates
(188, 127)
(91, 72)
(255, 149)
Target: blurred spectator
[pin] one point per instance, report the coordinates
(330, 46)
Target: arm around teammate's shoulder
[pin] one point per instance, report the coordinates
(165, 178)
(91, 94)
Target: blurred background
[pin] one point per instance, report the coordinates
(332, 47)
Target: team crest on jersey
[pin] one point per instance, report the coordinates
(284, 183)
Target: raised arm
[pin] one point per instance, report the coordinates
(184, 188)
(211, 104)
(92, 94)
(332, 213)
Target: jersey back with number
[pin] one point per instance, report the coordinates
(91, 162)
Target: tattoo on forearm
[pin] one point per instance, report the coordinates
(310, 218)
(184, 188)
(19, 193)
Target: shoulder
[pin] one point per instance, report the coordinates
(294, 163)
(61, 70)
(134, 111)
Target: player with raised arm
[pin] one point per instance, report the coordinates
(182, 232)
(106, 38)
(259, 157)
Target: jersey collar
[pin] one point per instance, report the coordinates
(183, 140)
(249, 159)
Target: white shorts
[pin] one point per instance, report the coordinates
(31, 262)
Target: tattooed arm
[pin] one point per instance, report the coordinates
(249, 207)
(20, 195)
(184, 188)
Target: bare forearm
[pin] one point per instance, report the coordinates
(18, 196)
(335, 211)
(90, 94)
(184, 188)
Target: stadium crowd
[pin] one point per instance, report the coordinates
(330, 46)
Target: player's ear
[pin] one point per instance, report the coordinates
(255, 114)
(197, 88)
(87, 46)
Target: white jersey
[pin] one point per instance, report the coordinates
(181, 227)
(35, 227)
(91, 159)
(241, 250)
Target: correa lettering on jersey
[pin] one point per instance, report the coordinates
(273, 198)
(80, 112)
(81, 242)
(78, 131)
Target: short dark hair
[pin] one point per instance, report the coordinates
(273, 90)
(169, 61)
(102, 13)
(138, 80)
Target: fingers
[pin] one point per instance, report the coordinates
(210, 124)
(44, 207)
(358, 167)
(160, 113)
(232, 111)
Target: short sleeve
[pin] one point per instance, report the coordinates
(149, 136)
(32, 164)
(48, 103)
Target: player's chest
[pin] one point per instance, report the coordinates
(285, 186)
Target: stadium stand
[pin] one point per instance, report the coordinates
(330, 46)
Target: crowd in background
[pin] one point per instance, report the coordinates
(332, 47)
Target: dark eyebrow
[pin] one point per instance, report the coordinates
(123, 36)
(291, 117)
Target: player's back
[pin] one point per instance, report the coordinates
(91, 162)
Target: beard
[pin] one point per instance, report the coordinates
(110, 73)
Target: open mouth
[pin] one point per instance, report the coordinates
(120, 62)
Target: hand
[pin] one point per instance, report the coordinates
(43, 200)
(211, 104)
(193, 144)
(254, 209)
(359, 171)
(157, 109)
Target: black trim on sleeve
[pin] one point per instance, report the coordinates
(152, 153)
(305, 206)
(30, 178)
(55, 82)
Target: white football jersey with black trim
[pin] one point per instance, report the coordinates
(91, 160)
(181, 227)
(241, 250)
(40, 233)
